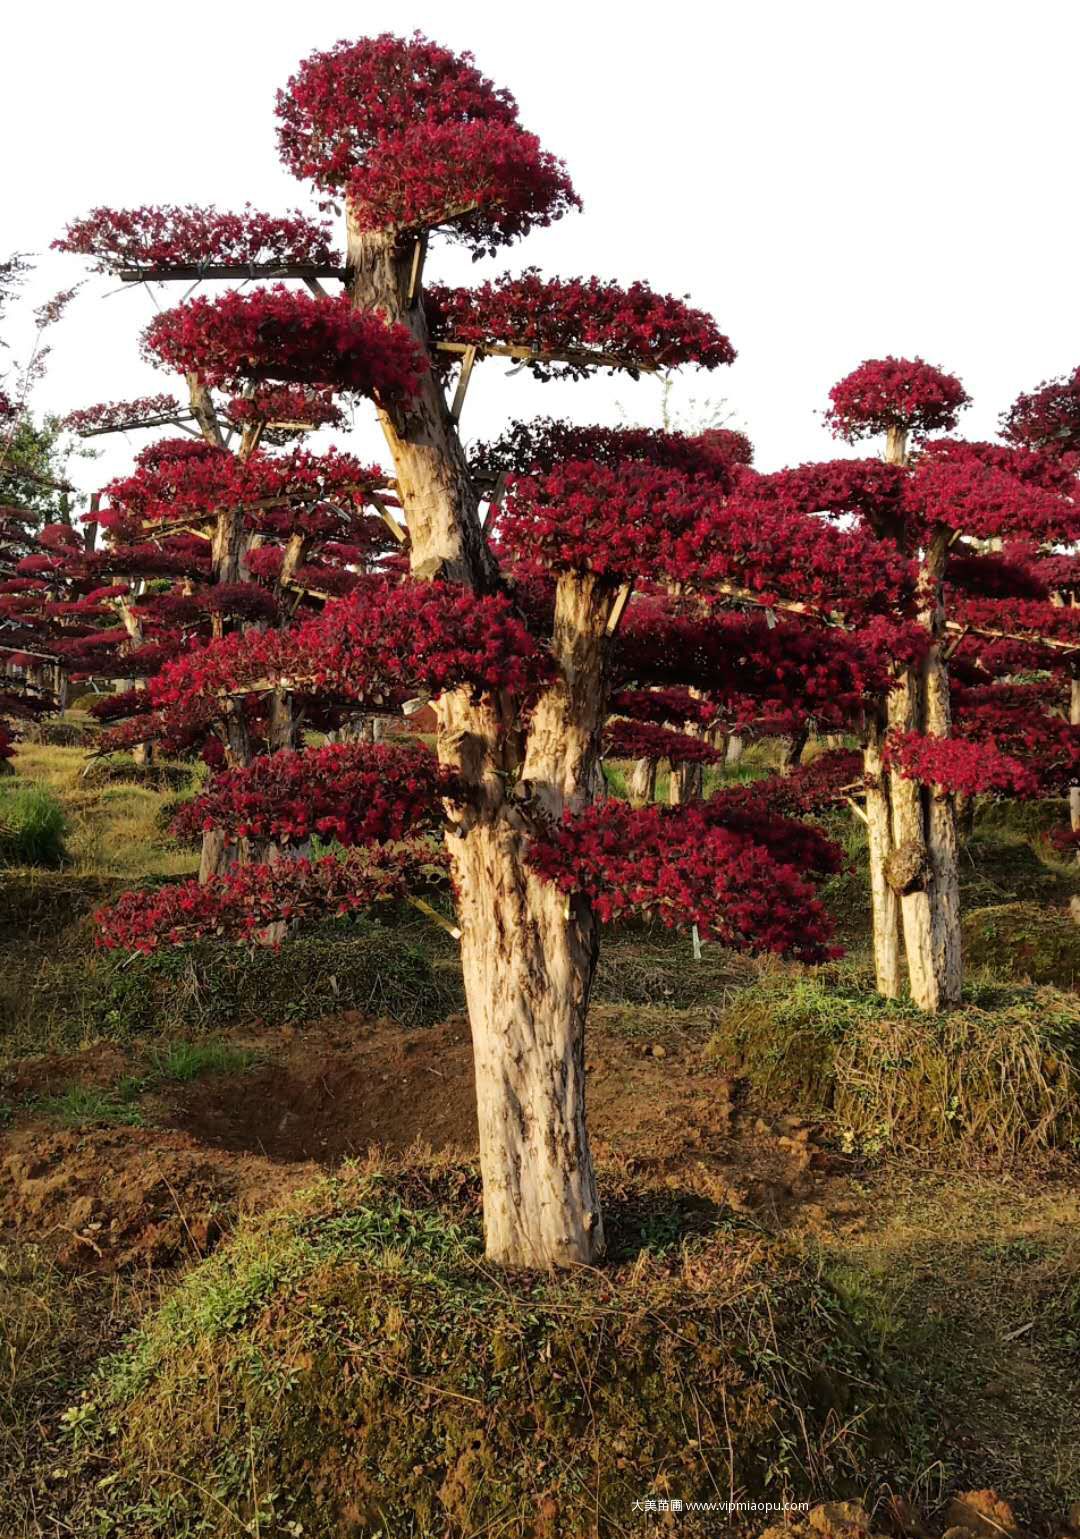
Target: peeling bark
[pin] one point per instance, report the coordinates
(884, 902)
(528, 953)
(924, 819)
(924, 863)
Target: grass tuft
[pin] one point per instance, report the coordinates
(184, 1061)
(32, 826)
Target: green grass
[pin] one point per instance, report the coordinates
(32, 825)
(114, 828)
(92, 1106)
(183, 1061)
(176, 1062)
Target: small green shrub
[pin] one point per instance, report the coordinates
(32, 825)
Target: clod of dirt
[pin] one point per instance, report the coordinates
(830, 1520)
(980, 1512)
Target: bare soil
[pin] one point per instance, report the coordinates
(111, 1197)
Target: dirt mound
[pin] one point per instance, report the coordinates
(399, 1385)
(99, 1065)
(970, 1515)
(115, 1197)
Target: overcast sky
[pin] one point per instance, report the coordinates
(833, 181)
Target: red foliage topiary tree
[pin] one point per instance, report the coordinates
(519, 629)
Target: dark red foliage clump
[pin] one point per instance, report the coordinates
(682, 866)
(277, 334)
(894, 392)
(240, 904)
(545, 443)
(415, 137)
(1047, 418)
(960, 765)
(171, 236)
(354, 793)
(575, 324)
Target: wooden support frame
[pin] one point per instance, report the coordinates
(434, 915)
(400, 533)
(581, 356)
(180, 272)
(857, 810)
(170, 420)
(416, 271)
(49, 657)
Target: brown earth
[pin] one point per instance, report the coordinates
(111, 1197)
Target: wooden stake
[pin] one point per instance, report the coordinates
(416, 272)
(463, 383)
(622, 598)
(579, 355)
(433, 913)
(695, 938)
(181, 271)
(400, 534)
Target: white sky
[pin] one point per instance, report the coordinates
(832, 180)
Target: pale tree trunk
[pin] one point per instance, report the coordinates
(885, 905)
(924, 866)
(687, 783)
(1074, 791)
(641, 782)
(528, 953)
(736, 747)
(142, 753)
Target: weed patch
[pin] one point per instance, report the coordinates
(32, 825)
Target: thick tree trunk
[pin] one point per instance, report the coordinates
(687, 783)
(528, 952)
(791, 755)
(641, 782)
(885, 905)
(924, 865)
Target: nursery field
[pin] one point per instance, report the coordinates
(242, 1286)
